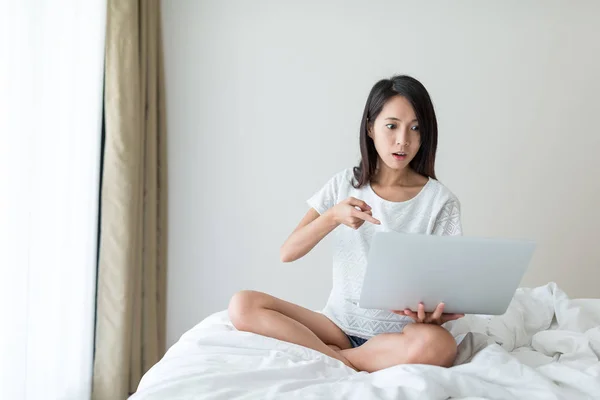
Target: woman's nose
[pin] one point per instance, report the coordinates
(402, 139)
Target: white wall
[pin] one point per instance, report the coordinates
(264, 101)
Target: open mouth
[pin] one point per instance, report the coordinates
(399, 155)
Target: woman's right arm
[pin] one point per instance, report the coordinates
(314, 226)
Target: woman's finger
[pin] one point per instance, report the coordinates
(421, 312)
(451, 317)
(364, 216)
(358, 203)
(356, 223)
(411, 314)
(437, 313)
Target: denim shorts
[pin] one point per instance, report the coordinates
(356, 341)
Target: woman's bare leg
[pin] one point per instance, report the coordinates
(269, 316)
(417, 344)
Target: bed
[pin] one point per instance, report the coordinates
(546, 346)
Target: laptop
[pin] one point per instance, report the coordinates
(469, 275)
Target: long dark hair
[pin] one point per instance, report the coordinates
(417, 95)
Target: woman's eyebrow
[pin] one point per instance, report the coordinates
(398, 119)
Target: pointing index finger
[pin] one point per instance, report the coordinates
(366, 217)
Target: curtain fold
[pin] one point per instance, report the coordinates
(131, 293)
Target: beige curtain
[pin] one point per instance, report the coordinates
(130, 324)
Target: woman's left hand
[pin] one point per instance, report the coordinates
(436, 317)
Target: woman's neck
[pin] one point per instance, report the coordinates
(386, 176)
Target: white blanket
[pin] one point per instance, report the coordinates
(545, 347)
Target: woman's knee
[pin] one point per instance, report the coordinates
(242, 307)
(430, 344)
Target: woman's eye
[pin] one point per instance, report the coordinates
(391, 126)
(414, 128)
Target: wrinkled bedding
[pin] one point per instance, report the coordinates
(546, 346)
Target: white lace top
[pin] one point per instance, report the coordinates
(435, 210)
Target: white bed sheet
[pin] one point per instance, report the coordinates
(546, 346)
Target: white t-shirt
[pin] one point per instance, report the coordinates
(435, 210)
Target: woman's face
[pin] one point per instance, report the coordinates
(395, 133)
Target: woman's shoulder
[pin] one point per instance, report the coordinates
(441, 193)
(344, 177)
(340, 183)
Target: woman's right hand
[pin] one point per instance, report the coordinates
(353, 213)
(437, 317)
